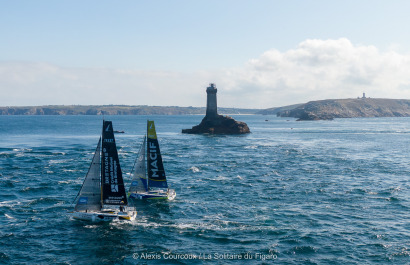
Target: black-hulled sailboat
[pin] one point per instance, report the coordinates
(150, 182)
(102, 196)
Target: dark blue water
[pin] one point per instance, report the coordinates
(325, 192)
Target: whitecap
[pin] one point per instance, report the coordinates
(221, 178)
(65, 181)
(91, 226)
(8, 216)
(12, 203)
(194, 169)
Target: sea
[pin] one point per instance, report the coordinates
(312, 192)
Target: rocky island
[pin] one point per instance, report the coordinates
(213, 123)
(345, 108)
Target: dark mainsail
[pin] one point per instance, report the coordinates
(113, 190)
(156, 172)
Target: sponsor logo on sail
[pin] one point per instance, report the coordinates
(153, 156)
(110, 171)
(83, 200)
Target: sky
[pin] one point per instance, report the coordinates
(259, 54)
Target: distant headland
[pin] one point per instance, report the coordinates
(344, 108)
(313, 110)
(114, 110)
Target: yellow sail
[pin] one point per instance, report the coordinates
(151, 130)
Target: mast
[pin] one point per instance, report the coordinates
(146, 136)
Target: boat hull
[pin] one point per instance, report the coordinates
(154, 195)
(104, 216)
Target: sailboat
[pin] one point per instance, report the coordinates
(102, 196)
(150, 182)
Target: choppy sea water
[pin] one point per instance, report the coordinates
(323, 192)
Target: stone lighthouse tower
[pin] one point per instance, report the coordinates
(213, 123)
(211, 106)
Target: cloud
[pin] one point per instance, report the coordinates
(315, 69)
(321, 69)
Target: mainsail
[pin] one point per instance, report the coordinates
(113, 190)
(90, 193)
(156, 172)
(139, 175)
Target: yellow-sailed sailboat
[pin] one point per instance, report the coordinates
(150, 182)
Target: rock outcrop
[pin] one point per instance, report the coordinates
(219, 125)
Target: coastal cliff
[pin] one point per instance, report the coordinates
(348, 108)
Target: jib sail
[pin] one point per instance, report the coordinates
(139, 175)
(89, 198)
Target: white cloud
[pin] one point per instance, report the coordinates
(320, 69)
(315, 69)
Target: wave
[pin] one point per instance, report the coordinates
(302, 250)
(8, 183)
(43, 189)
(13, 203)
(45, 201)
(194, 169)
(4, 257)
(8, 216)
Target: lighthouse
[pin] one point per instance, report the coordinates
(213, 123)
(211, 106)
